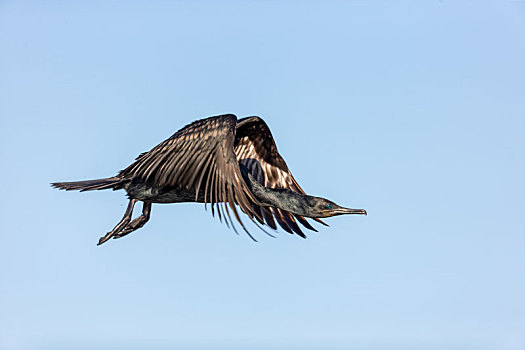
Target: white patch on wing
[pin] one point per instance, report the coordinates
(272, 176)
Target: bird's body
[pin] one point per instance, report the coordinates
(222, 161)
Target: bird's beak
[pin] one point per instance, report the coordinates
(341, 211)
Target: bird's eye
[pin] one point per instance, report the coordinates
(329, 206)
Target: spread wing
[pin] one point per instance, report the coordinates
(256, 149)
(200, 156)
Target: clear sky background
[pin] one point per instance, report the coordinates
(414, 110)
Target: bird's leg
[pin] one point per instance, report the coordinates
(137, 223)
(125, 220)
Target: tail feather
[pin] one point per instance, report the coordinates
(89, 185)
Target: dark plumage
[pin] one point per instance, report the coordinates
(218, 160)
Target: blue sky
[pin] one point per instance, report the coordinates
(412, 110)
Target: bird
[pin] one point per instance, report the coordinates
(221, 161)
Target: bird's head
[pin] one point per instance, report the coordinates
(322, 208)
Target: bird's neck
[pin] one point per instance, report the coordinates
(285, 199)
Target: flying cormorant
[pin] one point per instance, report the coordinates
(217, 160)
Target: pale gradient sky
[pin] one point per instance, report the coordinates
(414, 110)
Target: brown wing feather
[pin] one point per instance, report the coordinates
(256, 149)
(200, 156)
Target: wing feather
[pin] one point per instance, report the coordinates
(199, 156)
(255, 148)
